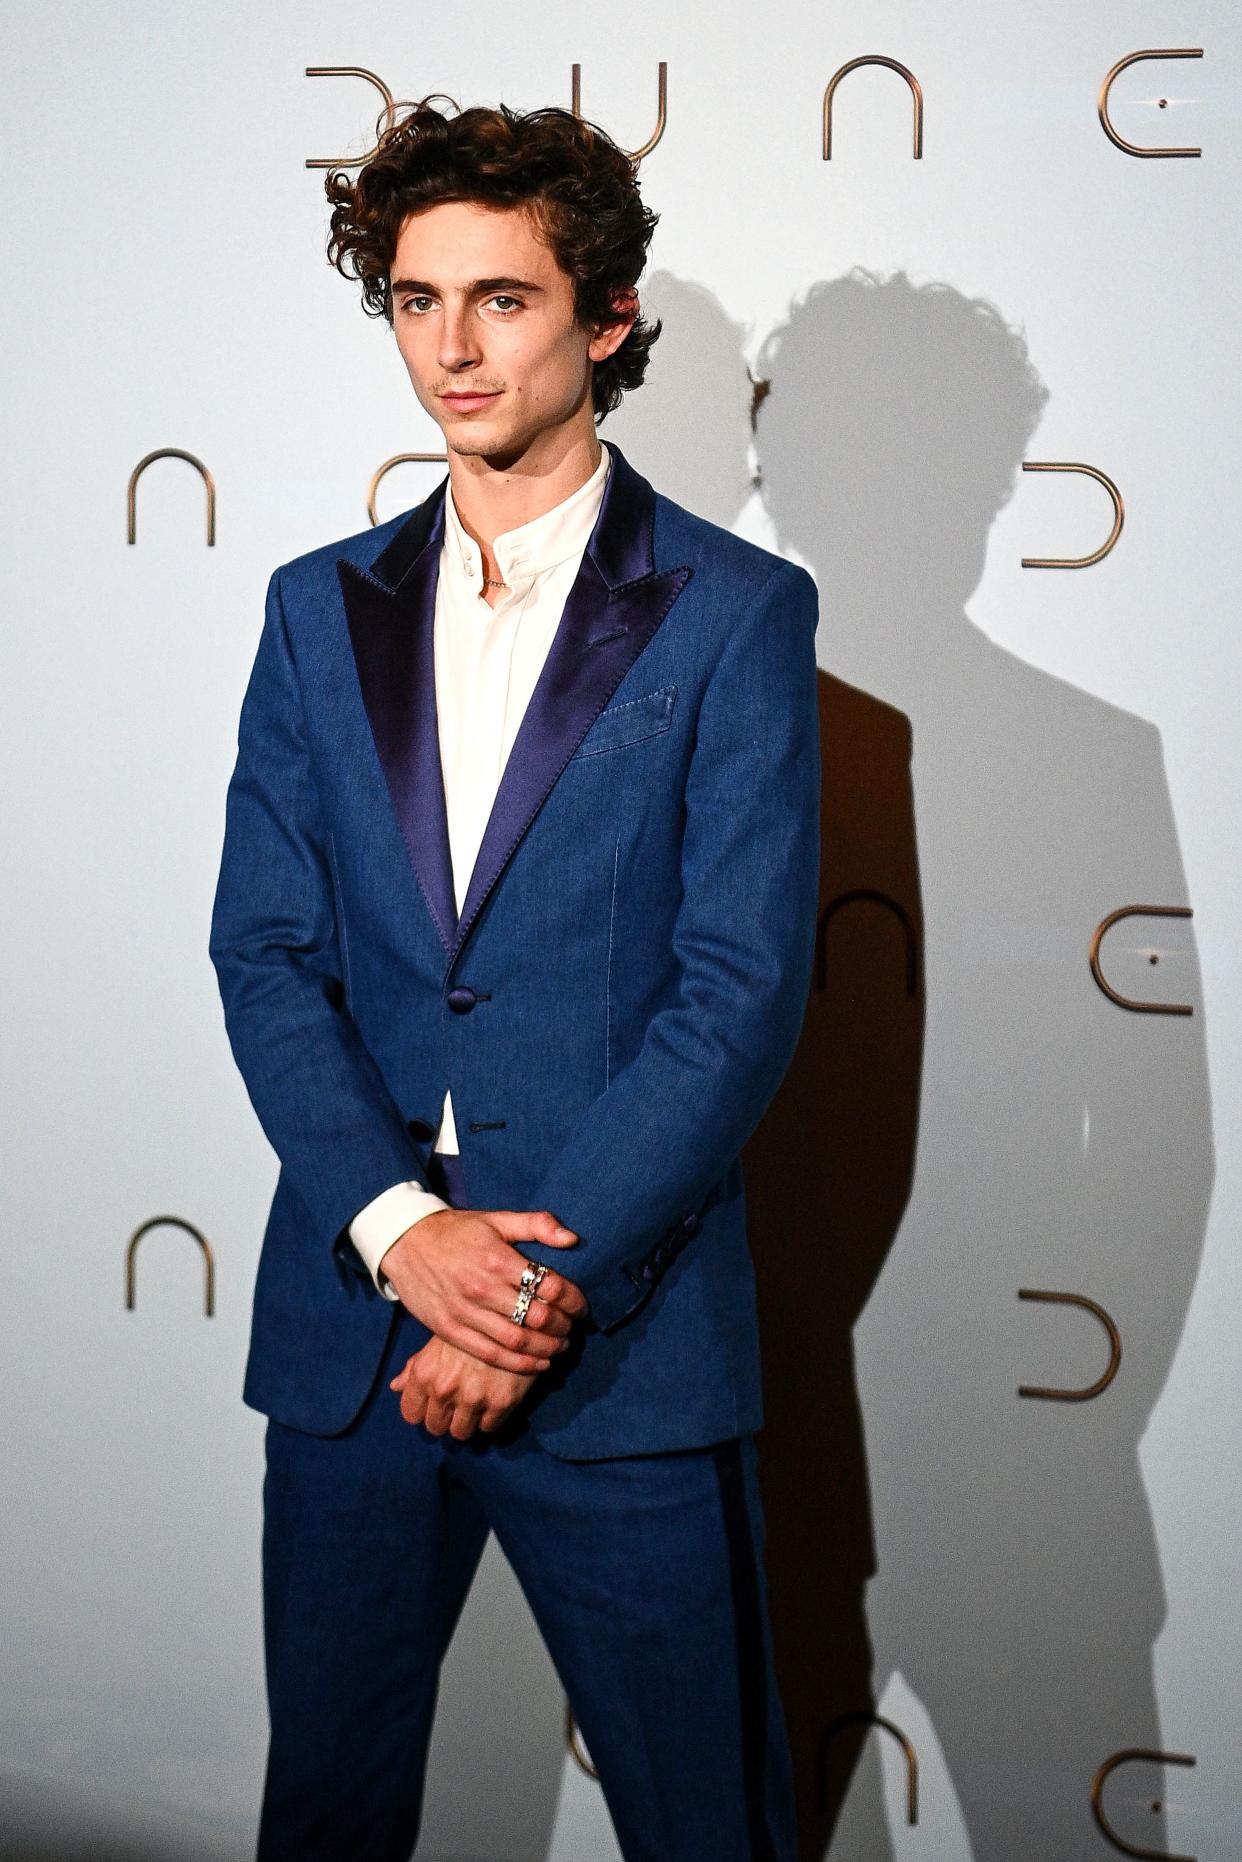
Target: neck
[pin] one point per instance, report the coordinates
(491, 499)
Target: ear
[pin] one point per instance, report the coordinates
(611, 335)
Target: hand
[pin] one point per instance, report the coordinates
(458, 1272)
(447, 1389)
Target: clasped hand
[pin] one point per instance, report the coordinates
(458, 1271)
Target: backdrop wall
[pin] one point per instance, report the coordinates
(860, 357)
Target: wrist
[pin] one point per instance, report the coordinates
(404, 1238)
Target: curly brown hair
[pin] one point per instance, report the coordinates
(579, 187)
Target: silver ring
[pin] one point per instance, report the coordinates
(531, 1277)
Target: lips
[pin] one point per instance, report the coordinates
(464, 403)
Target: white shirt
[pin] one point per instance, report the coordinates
(487, 663)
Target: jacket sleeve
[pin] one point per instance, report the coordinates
(314, 1085)
(633, 1169)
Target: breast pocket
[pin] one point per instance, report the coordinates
(629, 722)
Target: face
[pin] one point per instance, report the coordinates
(482, 309)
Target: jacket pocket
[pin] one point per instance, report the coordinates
(629, 722)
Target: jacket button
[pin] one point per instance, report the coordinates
(461, 998)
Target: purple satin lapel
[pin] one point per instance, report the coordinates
(602, 631)
(392, 633)
(614, 607)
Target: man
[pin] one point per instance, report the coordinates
(514, 934)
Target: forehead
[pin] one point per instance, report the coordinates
(457, 240)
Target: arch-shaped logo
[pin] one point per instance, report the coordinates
(1102, 478)
(168, 452)
(635, 155)
(1114, 1347)
(867, 1718)
(1126, 1757)
(396, 460)
(170, 1221)
(390, 111)
(893, 64)
(855, 897)
(573, 1740)
(1097, 938)
(1133, 58)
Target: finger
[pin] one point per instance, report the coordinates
(492, 1419)
(489, 1351)
(532, 1225)
(439, 1416)
(500, 1281)
(413, 1403)
(464, 1423)
(562, 1293)
(505, 1331)
(541, 1317)
(399, 1381)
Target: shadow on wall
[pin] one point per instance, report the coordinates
(967, 1113)
(81, 1820)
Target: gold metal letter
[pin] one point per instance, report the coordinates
(1097, 1803)
(169, 452)
(398, 459)
(1125, 1002)
(1114, 1347)
(170, 1221)
(635, 155)
(873, 1719)
(1133, 148)
(390, 108)
(875, 58)
(575, 1745)
(1076, 562)
(881, 898)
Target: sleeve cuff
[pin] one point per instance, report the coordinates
(384, 1220)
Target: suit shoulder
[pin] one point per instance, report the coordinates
(722, 561)
(304, 573)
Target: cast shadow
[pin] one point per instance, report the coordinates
(968, 1113)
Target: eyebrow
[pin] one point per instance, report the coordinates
(401, 285)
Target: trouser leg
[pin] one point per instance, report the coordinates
(369, 1548)
(645, 1576)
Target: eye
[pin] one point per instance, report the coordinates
(422, 298)
(499, 295)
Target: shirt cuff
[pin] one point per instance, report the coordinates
(384, 1220)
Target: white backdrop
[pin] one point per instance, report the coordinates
(1053, 1582)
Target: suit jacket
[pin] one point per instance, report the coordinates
(616, 1004)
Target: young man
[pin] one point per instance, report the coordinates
(514, 933)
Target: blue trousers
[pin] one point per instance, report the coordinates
(644, 1575)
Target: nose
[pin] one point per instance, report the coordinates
(459, 344)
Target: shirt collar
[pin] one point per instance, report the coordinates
(530, 548)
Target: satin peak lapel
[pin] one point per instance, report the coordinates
(614, 607)
(391, 613)
(617, 602)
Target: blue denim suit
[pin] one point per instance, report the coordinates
(617, 1003)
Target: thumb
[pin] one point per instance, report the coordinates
(532, 1225)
